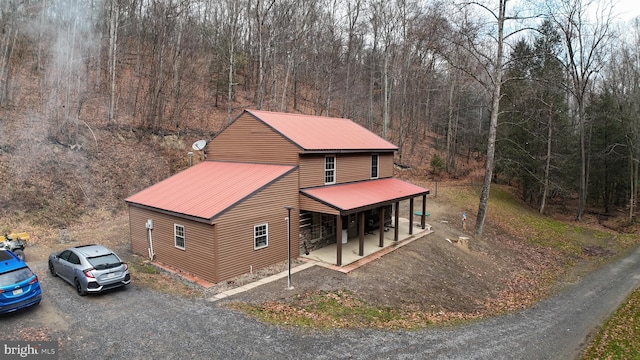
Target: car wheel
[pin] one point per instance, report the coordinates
(79, 288)
(52, 270)
(19, 253)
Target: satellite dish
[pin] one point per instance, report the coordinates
(199, 145)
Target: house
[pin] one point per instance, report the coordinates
(229, 214)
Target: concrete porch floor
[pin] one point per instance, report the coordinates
(326, 256)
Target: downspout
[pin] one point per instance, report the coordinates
(151, 253)
(149, 227)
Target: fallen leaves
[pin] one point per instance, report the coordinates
(342, 309)
(29, 334)
(618, 338)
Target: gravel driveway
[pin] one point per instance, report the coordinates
(136, 323)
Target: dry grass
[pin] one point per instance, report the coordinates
(618, 338)
(145, 274)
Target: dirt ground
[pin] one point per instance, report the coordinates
(435, 273)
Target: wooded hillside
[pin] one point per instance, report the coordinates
(99, 99)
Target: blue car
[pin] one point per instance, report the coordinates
(19, 286)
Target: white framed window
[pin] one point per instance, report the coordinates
(374, 166)
(178, 236)
(329, 170)
(260, 236)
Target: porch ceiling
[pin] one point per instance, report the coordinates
(359, 196)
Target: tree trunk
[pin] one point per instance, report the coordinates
(114, 15)
(450, 153)
(582, 184)
(283, 102)
(386, 96)
(547, 166)
(493, 125)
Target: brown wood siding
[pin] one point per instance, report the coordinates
(386, 165)
(349, 168)
(311, 171)
(198, 257)
(249, 140)
(137, 231)
(236, 253)
(309, 204)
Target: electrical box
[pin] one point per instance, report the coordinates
(149, 224)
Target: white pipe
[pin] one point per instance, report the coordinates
(151, 253)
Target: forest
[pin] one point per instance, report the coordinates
(545, 93)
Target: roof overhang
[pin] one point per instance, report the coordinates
(173, 213)
(364, 195)
(346, 151)
(209, 189)
(319, 134)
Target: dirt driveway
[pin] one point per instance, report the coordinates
(430, 274)
(138, 323)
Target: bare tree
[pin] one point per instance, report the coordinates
(114, 22)
(354, 9)
(585, 38)
(622, 78)
(496, 82)
(232, 33)
(386, 21)
(492, 80)
(9, 18)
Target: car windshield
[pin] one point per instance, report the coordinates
(104, 261)
(15, 276)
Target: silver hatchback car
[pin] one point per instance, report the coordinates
(90, 268)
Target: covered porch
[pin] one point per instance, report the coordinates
(351, 257)
(364, 213)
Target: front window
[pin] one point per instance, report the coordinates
(374, 166)
(178, 235)
(329, 170)
(260, 236)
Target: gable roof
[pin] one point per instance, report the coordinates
(320, 133)
(208, 189)
(352, 197)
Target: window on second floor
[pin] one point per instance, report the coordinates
(330, 170)
(374, 166)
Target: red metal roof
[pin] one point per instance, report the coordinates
(207, 189)
(319, 133)
(353, 196)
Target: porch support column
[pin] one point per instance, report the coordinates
(381, 227)
(397, 219)
(339, 240)
(424, 211)
(361, 233)
(411, 216)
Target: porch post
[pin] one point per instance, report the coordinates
(424, 211)
(411, 216)
(397, 219)
(361, 233)
(339, 240)
(381, 229)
